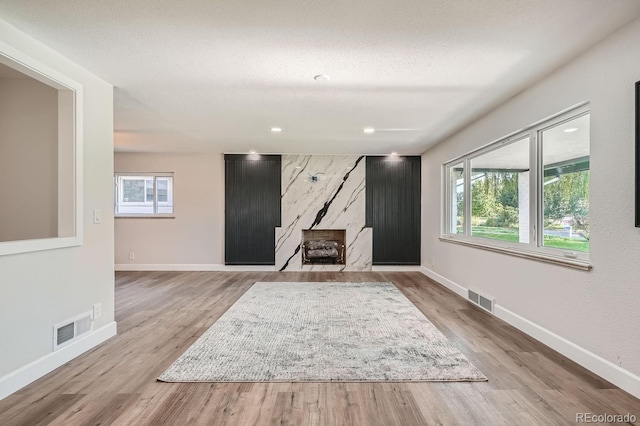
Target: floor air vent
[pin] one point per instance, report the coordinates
(480, 300)
(69, 330)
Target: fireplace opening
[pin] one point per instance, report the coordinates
(324, 246)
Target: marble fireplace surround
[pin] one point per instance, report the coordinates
(323, 192)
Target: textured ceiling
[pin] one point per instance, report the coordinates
(211, 75)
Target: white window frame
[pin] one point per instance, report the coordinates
(534, 248)
(118, 197)
(35, 69)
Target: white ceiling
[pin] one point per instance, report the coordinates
(216, 75)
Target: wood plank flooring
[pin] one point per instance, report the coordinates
(160, 314)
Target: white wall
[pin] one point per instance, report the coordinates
(28, 159)
(40, 289)
(597, 311)
(196, 235)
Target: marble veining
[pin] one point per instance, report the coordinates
(335, 200)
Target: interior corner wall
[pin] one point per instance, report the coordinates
(196, 235)
(42, 288)
(28, 155)
(596, 310)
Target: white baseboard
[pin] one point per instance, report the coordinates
(604, 368)
(240, 268)
(454, 287)
(31, 372)
(192, 267)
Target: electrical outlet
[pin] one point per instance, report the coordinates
(433, 262)
(132, 255)
(97, 310)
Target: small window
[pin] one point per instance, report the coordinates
(144, 194)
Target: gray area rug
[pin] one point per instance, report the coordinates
(322, 332)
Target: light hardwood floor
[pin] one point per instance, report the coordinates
(160, 314)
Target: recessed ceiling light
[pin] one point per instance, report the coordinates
(321, 78)
(394, 153)
(297, 167)
(368, 130)
(252, 152)
(276, 129)
(573, 129)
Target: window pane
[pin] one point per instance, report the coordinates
(162, 189)
(132, 190)
(165, 195)
(500, 193)
(149, 190)
(565, 154)
(132, 197)
(456, 179)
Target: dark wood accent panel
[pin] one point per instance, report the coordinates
(252, 208)
(393, 209)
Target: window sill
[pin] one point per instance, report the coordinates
(541, 257)
(144, 216)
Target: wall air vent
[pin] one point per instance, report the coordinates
(474, 297)
(70, 330)
(484, 302)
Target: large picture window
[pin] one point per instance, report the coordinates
(528, 192)
(138, 194)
